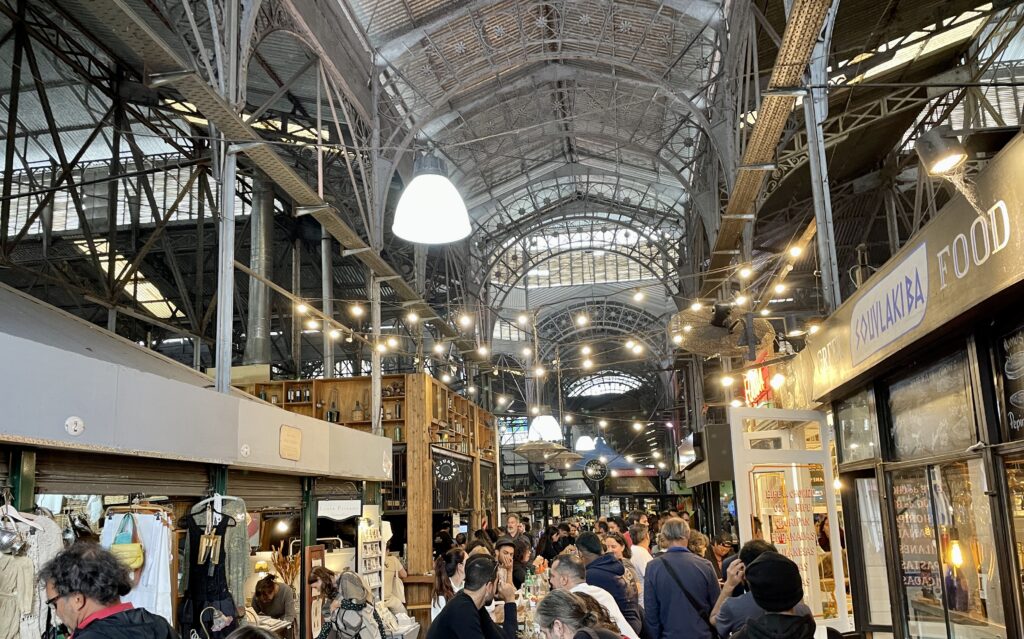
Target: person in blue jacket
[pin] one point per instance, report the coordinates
(680, 588)
(605, 571)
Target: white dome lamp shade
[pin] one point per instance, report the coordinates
(546, 428)
(585, 443)
(430, 210)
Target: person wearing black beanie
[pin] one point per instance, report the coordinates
(775, 583)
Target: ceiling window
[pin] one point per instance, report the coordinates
(605, 383)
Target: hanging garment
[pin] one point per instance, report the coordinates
(153, 591)
(236, 545)
(16, 593)
(208, 609)
(43, 545)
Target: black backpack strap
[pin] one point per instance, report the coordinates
(704, 614)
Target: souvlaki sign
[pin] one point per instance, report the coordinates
(964, 256)
(898, 302)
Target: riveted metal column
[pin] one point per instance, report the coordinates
(226, 273)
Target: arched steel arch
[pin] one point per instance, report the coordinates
(605, 318)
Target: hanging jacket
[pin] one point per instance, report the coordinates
(137, 623)
(776, 626)
(607, 572)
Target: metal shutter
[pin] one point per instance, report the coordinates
(266, 490)
(5, 460)
(76, 473)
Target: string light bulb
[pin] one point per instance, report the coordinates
(741, 300)
(411, 317)
(446, 378)
(535, 410)
(638, 296)
(777, 380)
(382, 348)
(726, 381)
(638, 426)
(638, 349)
(629, 458)
(745, 273)
(439, 348)
(630, 344)
(392, 342)
(812, 329)
(585, 350)
(301, 308)
(465, 321)
(661, 465)
(582, 320)
(603, 423)
(837, 484)
(687, 328)
(656, 454)
(356, 310)
(312, 324)
(588, 364)
(765, 312)
(696, 306)
(795, 251)
(472, 390)
(526, 351)
(735, 403)
(780, 288)
(567, 419)
(539, 371)
(482, 351)
(677, 338)
(523, 319)
(335, 333)
(502, 400)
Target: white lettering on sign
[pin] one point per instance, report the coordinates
(989, 234)
(890, 308)
(339, 509)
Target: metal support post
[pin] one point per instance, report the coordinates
(375, 356)
(226, 274)
(23, 478)
(296, 320)
(327, 275)
(261, 260)
(12, 125)
(112, 319)
(891, 221)
(219, 479)
(309, 534)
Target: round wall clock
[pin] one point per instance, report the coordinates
(445, 470)
(596, 471)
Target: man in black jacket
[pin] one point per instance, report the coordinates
(774, 581)
(466, 616)
(85, 584)
(605, 571)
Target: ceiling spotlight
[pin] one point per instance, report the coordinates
(726, 381)
(482, 350)
(638, 426)
(535, 410)
(356, 310)
(523, 319)
(502, 400)
(582, 320)
(696, 306)
(382, 348)
(795, 251)
(940, 150)
(465, 321)
(392, 342)
(539, 371)
(630, 344)
(638, 296)
(687, 328)
(777, 380)
(780, 288)
(745, 273)
(588, 364)
(585, 350)
(527, 351)
(735, 403)
(301, 309)
(312, 325)
(629, 458)
(741, 300)
(335, 333)
(411, 317)
(638, 349)
(677, 338)
(430, 209)
(439, 348)
(765, 312)
(446, 378)
(603, 423)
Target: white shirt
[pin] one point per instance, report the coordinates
(438, 606)
(605, 598)
(641, 557)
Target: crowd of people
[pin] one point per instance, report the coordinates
(646, 576)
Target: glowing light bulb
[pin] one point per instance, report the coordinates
(726, 381)
(335, 333)
(837, 484)
(813, 328)
(392, 342)
(735, 403)
(539, 371)
(656, 454)
(741, 300)
(472, 390)
(638, 349)
(956, 555)
(687, 328)
(603, 423)
(614, 473)
(523, 319)
(312, 325)
(780, 288)
(465, 321)
(582, 320)
(588, 364)
(777, 380)
(638, 426)
(502, 400)
(482, 350)
(696, 306)
(567, 419)
(629, 458)
(446, 378)
(585, 350)
(439, 348)
(668, 425)
(745, 273)
(795, 251)
(411, 317)
(677, 338)
(630, 344)
(535, 410)
(661, 465)
(638, 296)
(356, 310)
(382, 348)
(603, 459)
(282, 526)
(765, 312)
(301, 309)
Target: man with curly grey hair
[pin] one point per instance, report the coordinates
(84, 586)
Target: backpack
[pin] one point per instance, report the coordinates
(356, 618)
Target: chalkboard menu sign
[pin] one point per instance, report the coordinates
(1011, 364)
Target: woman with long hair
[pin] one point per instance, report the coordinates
(449, 576)
(548, 546)
(615, 544)
(565, 615)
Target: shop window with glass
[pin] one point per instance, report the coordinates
(932, 411)
(869, 521)
(1015, 477)
(857, 427)
(948, 567)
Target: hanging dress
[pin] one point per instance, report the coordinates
(208, 609)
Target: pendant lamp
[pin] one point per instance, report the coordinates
(430, 210)
(545, 427)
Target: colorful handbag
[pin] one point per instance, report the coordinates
(127, 545)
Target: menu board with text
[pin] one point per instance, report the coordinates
(1011, 365)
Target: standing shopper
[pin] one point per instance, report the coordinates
(720, 548)
(731, 612)
(680, 589)
(641, 548)
(776, 586)
(85, 584)
(605, 571)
